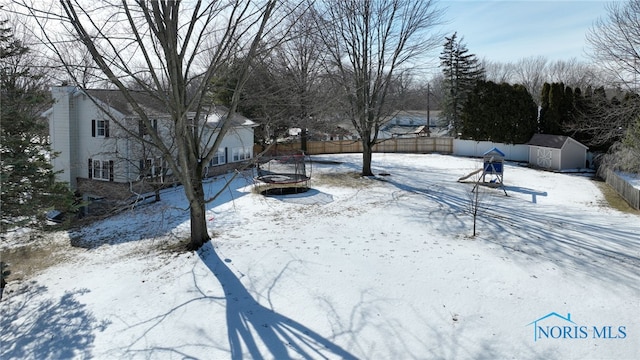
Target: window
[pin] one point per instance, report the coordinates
(101, 169)
(241, 153)
(100, 128)
(238, 153)
(143, 129)
(219, 159)
(158, 168)
(148, 167)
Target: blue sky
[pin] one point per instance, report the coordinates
(510, 30)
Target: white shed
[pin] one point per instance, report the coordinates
(557, 152)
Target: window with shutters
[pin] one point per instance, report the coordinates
(152, 167)
(100, 128)
(144, 130)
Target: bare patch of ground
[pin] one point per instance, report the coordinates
(32, 252)
(35, 251)
(614, 200)
(346, 179)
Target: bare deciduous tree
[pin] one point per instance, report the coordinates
(605, 119)
(572, 73)
(368, 43)
(615, 47)
(498, 72)
(476, 196)
(530, 72)
(614, 42)
(295, 71)
(159, 47)
(533, 72)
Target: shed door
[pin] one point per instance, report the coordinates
(544, 157)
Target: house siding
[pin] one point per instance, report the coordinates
(238, 138)
(73, 120)
(104, 148)
(63, 130)
(574, 155)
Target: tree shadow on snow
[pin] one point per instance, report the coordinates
(169, 215)
(587, 242)
(50, 329)
(451, 209)
(251, 324)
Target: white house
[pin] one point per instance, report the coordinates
(100, 157)
(556, 152)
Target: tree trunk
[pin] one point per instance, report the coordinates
(303, 140)
(367, 152)
(199, 233)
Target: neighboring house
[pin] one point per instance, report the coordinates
(556, 152)
(333, 133)
(403, 131)
(101, 159)
(410, 124)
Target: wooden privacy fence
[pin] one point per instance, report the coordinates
(626, 190)
(417, 145)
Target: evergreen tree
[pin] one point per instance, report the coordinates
(461, 71)
(568, 107)
(544, 106)
(558, 109)
(523, 115)
(28, 186)
(499, 112)
(553, 117)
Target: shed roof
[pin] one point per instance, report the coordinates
(550, 141)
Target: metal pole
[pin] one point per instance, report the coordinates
(428, 109)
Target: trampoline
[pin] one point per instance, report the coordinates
(284, 174)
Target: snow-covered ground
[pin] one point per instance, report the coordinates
(633, 179)
(355, 268)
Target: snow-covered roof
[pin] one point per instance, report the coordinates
(218, 113)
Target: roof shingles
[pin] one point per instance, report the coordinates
(550, 141)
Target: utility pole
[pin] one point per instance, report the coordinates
(428, 109)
